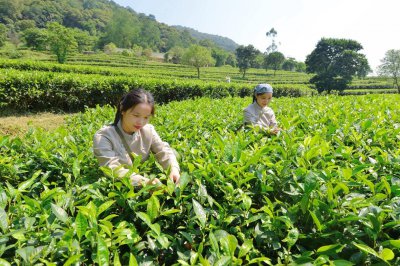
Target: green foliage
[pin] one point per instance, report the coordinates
(71, 92)
(3, 34)
(101, 22)
(198, 56)
(274, 60)
(245, 57)
(35, 38)
(218, 41)
(391, 66)
(110, 48)
(61, 41)
(175, 54)
(335, 62)
(325, 191)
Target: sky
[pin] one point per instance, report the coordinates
(300, 24)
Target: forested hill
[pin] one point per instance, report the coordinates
(221, 41)
(105, 22)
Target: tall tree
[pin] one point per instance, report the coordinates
(198, 56)
(245, 57)
(391, 66)
(273, 46)
(61, 41)
(335, 62)
(274, 60)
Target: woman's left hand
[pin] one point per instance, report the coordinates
(175, 175)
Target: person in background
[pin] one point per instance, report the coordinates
(258, 113)
(131, 135)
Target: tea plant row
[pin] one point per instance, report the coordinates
(325, 191)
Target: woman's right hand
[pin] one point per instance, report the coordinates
(154, 181)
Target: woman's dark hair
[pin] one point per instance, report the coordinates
(131, 99)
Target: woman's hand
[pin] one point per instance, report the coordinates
(275, 130)
(154, 181)
(175, 175)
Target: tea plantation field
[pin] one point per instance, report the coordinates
(325, 191)
(40, 84)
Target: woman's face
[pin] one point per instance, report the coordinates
(264, 99)
(136, 117)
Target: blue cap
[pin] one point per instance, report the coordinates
(263, 88)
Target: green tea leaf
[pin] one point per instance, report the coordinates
(76, 168)
(132, 260)
(184, 180)
(3, 220)
(330, 248)
(200, 212)
(72, 260)
(246, 247)
(386, 254)
(163, 240)
(81, 225)
(59, 213)
(366, 249)
(292, 237)
(169, 212)
(116, 261)
(103, 253)
(4, 262)
(145, 218)
(342, 263)
(28, 183)
(394, 243)
(153, 207)
(214, 242)
(223, 261)
(103, 207)
(316, 220)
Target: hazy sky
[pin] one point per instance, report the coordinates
(300, 23)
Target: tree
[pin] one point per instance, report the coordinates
(150, 34)
(175, 54)
(231, 60)
(301, 67)
(3, 34)
(272, 34)
(220, 56)
(10, 10)
(274, 61)
(391, 66)
(198, 56)
(35, 38)
(335, 62)
(84, 40)
(289, 64)
(61, 41)
(123, 30)
(245, 57)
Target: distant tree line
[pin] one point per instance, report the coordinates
(250, 57)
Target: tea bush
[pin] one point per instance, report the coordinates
(325, 191)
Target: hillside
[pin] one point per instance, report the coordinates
(101, 22)
(221, 41)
